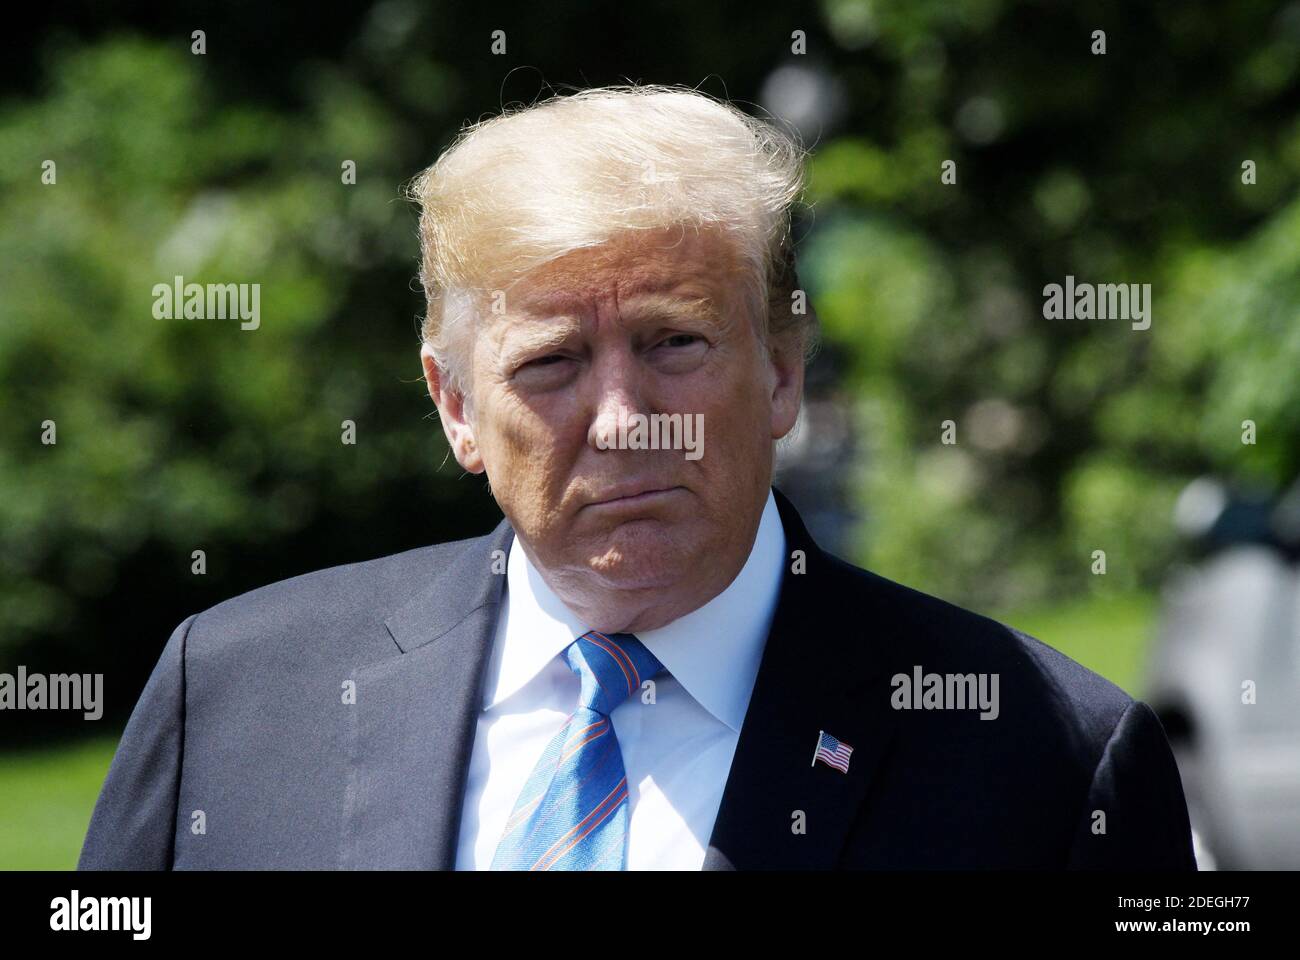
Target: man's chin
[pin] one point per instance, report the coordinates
(641, 555)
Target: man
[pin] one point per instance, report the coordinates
(649, 664)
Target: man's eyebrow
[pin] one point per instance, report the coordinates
(669, 305)
(539, 337)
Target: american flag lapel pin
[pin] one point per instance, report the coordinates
(832, 752)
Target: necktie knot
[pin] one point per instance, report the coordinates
(611, 667)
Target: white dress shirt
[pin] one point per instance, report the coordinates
(677, 752)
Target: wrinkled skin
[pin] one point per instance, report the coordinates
(653, 322)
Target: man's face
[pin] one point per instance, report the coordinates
(653, 323)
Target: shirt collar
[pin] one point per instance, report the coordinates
(713, 652)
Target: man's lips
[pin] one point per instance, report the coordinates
(632, 496)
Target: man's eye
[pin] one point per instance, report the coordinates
(680, 340)
(545, 372)
(548, 360)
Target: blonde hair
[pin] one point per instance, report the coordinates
(518, 190)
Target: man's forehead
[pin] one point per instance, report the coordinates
(631, 271)
(670, 299)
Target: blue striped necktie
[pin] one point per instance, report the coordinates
(572, 814)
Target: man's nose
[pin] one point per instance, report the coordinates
(619, 393)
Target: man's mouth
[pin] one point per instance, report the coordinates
(633, 495)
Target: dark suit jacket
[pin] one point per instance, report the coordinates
(244, 720)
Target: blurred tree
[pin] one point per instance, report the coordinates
(176, 435)
(1072, 436)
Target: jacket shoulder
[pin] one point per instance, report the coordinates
(1025, 789)
(919, 629)
(347, 599)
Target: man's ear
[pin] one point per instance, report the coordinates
(451, 410)
(785, 357)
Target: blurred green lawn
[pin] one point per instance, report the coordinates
(1107, 633)
(46, 796)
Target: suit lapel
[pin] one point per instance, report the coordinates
(415, 717)
(778, 809)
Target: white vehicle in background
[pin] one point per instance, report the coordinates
(1225, 677)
